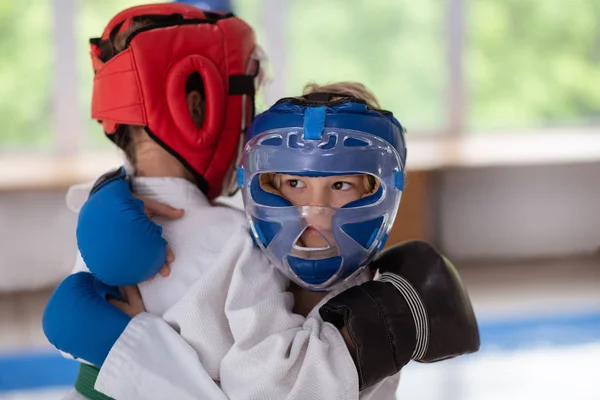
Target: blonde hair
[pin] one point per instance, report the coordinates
(354, 89)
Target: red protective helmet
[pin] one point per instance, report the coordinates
(145, 84)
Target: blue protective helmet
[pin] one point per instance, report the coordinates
(223, 6)
(316, 136)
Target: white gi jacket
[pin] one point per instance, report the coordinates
(224, 315)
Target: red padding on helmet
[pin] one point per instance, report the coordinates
(117, 95)
(145, 85)
(96, 61)
(176, 79)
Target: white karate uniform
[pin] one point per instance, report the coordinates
(224, 315)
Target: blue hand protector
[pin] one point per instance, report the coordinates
(80, 321)
(120, 245)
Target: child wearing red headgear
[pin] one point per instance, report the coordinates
(170, 124)
(174, 89)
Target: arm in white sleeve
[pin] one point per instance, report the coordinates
(151, 361)
(278, 354)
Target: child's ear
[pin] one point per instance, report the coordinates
(196, 107)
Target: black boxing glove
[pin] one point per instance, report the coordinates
(418, 309)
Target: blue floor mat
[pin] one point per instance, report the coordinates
(512, 334)
(22, 371)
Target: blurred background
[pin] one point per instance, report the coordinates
(501, 99)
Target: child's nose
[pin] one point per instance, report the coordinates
(319, 218)
(320, 198)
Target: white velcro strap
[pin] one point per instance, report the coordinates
(417, 309)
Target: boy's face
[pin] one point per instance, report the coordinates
(329, 191)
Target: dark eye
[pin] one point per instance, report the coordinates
(295, 183)
(341, 186)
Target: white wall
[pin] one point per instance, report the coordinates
(37, 239)
(520, 212)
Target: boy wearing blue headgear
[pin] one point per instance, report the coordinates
(298, 148)
(322, 177)
(320, 224)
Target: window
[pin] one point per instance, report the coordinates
(26, 75)
(453, 66)
(532, 63)
(448, 66)
(396, 48)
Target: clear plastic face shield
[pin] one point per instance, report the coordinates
(258, 66)
(319, 243)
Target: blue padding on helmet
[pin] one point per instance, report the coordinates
(364, 232)
(399, 180)
(266, 198)
(223, 6)
(240, 176)
(314, 271)
(349, 115)
(265, 230)
(314, 122)
(372, 238)
(365, 201)
(254, 240)
(384, 239)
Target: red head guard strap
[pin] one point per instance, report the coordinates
(145, 84)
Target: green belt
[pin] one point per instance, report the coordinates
(85, 383)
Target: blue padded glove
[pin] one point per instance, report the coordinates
(120, 245)
(80, 321)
